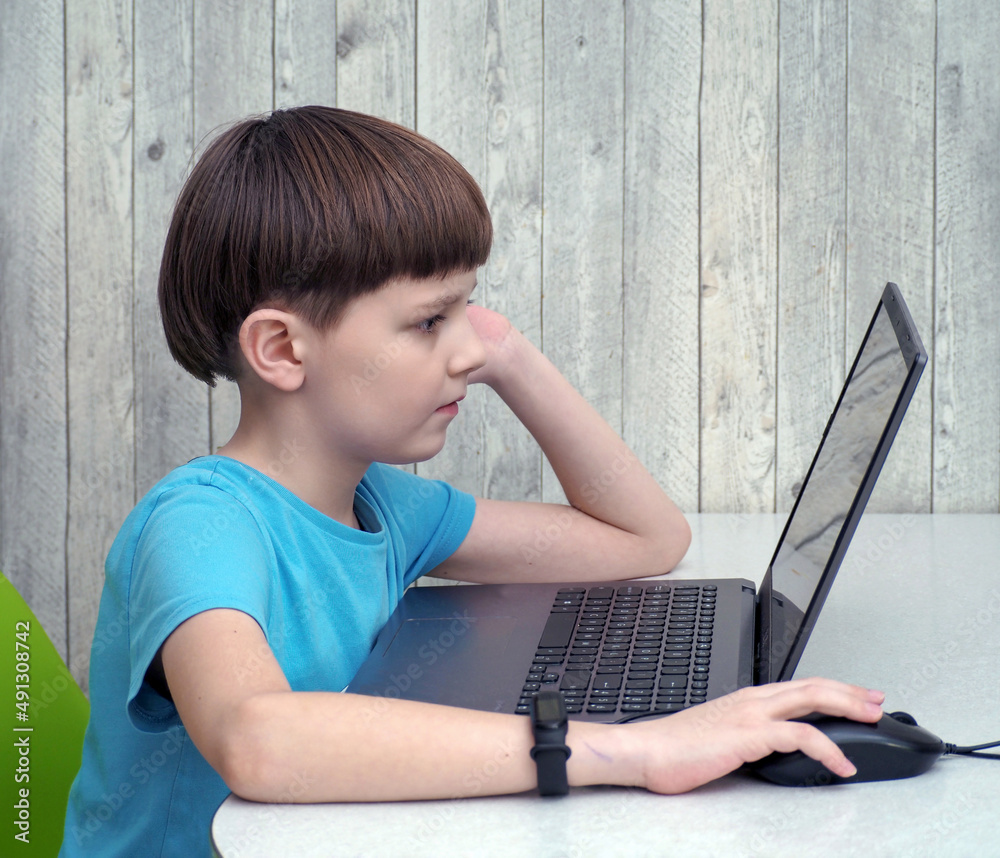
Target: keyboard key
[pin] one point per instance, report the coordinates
(558, 630)
(608, 681)
(671, 696)
(573, 679)
(601, 593)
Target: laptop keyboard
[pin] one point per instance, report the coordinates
(626, 651)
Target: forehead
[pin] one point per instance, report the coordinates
(414, 297)
(434, 293)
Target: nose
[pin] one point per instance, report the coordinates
(469, 353)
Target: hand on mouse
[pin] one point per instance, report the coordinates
(705, 742)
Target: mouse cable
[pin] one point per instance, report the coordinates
(972, 750)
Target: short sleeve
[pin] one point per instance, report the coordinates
(199, 549)
(429, 517)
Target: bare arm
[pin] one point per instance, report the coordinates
(619, 524)
(273, 744)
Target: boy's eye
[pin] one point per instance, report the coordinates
(428, 325)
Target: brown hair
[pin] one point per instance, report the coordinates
(307, 209)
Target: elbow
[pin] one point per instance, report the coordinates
(250, 760)
(670, 545)
(683, 536)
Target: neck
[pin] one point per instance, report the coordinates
(298, 461)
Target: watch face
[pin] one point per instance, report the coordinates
(548, 708)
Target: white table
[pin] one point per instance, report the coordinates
(915, 611)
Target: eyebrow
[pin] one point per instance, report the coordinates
(445, 299)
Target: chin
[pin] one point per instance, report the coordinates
(414, 456)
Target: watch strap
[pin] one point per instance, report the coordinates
(550, 754)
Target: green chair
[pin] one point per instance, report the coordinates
(43, 715)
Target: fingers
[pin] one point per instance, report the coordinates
(800, 736)
(801, 697)
(804, 697)
(710, 740)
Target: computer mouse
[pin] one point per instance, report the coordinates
(893, 747)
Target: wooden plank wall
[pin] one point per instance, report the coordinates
(696, 204)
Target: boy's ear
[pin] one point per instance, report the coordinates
(269, 341)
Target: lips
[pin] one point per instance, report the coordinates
(451, 407)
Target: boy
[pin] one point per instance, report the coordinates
(306, 249)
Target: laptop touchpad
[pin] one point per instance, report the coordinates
(445, 660)
(454, 637)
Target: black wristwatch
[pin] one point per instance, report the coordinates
(549, 723)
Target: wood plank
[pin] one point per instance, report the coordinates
(450, 110)
(376, 61)
(100, 372)
(738, 256)
(305, 52)
(582, 227)
(890, 208)
(812, 101)
(661, 347)
(375, 50)
(171, 406)
(481, 100)
(233, 79)
(33, 420)
(966, 338)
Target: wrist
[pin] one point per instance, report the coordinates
(515, 369)
(602, 755)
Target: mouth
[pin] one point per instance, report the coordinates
(451, 408)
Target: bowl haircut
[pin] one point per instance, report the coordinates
(307, 209)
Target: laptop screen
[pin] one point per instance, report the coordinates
(838, 484)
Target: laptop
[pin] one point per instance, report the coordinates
(624, 650)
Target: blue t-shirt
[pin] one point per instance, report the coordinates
(218, 534)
